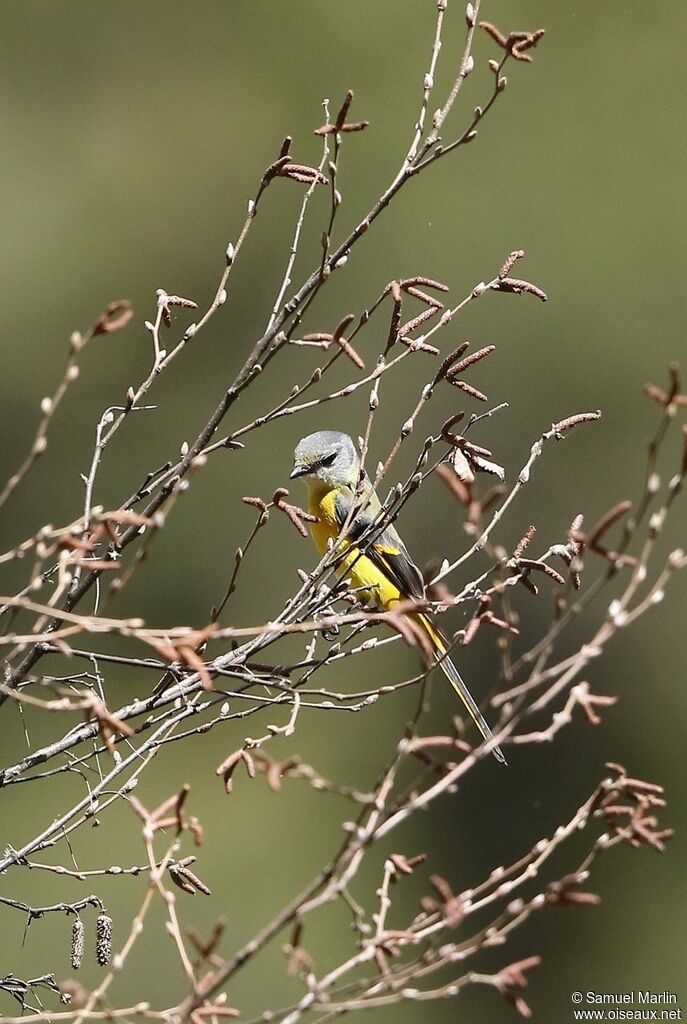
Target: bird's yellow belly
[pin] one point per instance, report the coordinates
(372, 586)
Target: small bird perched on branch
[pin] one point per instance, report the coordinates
(381, 569)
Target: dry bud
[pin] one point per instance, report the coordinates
(510, 261)
(462, 467)
(523, 544)
(573, 421)
(467, 388)
(487, 466)
(514, 284)
(475, 357)
(403, 865)
(114, 317)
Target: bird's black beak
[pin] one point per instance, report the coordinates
(299, 471)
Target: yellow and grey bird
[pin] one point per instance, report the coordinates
(383, 572)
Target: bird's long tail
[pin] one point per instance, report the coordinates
(456, 681)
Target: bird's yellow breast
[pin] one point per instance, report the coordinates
(375, 587)
(322, 503)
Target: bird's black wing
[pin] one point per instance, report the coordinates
(387, 552)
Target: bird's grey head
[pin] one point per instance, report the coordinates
(329, 456)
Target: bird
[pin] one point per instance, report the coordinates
(381, 571)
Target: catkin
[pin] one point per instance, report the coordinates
(103, 939)
(77, 944)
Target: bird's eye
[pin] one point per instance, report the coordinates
(329, 460)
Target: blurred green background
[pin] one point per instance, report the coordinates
(133, 134)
